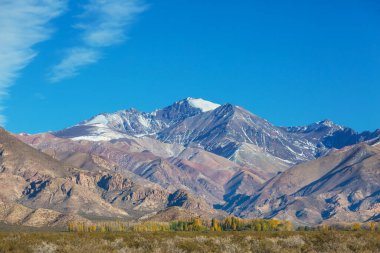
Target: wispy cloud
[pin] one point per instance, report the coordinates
(74, 59)
(23, 24)
(103, 23)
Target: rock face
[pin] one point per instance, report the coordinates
(190, 157)
(340, 187)
(15, 214)
(38, 190)
(172, 166)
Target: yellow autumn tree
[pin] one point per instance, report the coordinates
(372, 226)
(215, 225)
(355, 226)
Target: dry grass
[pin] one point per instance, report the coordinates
(182, 242)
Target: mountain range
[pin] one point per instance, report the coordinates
(193, 157)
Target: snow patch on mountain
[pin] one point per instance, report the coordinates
(100, 133)
(220, 129)
(98, 120)
(201, 104)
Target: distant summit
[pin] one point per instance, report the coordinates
(201, 104)
(226, 130)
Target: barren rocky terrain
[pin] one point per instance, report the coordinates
(192, 158)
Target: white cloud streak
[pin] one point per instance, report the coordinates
(74, 59)
(103, 23)
(23, 24)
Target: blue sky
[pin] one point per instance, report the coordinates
(291, 62)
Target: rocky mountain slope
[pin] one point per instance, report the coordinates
(171, 166)
(343, 186)
(196, 155)
(36, 186)
(226, 130)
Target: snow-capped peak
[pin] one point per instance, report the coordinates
(100, 119)
(326, 122)
(202, 104)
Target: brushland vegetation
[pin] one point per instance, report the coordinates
(228, 235)
(230, 223)
(195, 224)
(197, 242)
